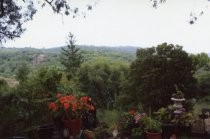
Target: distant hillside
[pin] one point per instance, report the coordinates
(10, 58)
(122, 49)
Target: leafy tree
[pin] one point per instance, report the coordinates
(30, 99)
(204, 83)
(200, 60)
(102, 81)
(12, 17)
(202, 73)
(71, 57)
(155, 72)
(45, 81)
(22, 72)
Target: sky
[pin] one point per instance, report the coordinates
(122, 23)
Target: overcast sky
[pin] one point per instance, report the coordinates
(121, 23)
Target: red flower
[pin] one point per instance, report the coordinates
(66, 105)
(74, 106)
(53, 106)
(70, 97)
(84, 99)
(62, 100)
(70, 106)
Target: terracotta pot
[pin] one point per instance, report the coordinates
(88, 134)
(73, 126)
(153, 135)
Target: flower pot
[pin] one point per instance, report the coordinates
(153, 135)
(88, 134)
(73, 126)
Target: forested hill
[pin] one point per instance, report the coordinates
(101, 49)
(10, 58)
(97, 49)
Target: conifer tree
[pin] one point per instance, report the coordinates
(71, 57)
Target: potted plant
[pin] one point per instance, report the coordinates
(125, 124)
(71, 110)
(152, 128)
(165, 116)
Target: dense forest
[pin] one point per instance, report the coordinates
(10, 58)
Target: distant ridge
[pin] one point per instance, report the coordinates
(11, 57)
(122, 49)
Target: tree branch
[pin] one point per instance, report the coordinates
(2, 8)
(50, 3)
(8, 34)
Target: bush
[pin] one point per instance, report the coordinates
(152, 125)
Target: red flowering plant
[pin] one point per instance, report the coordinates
(70, 107)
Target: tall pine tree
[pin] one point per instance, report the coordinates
(71, 57)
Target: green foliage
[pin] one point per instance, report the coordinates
(166, 116)
(137, 133)
(102, 131)
(203, 77)
(102, 81)
(22, 72)
(71, 57)
(44, 81)
(203, 102)
(3, 84)
(155, 72)
(8, 115)
(200, 60)
(10, 58)
(28, 102)
(4, 88)
(178, 93)
(151, 125)
(111, 117)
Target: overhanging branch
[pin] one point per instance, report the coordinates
(50, 3)
(2, 8)
(8, 34)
